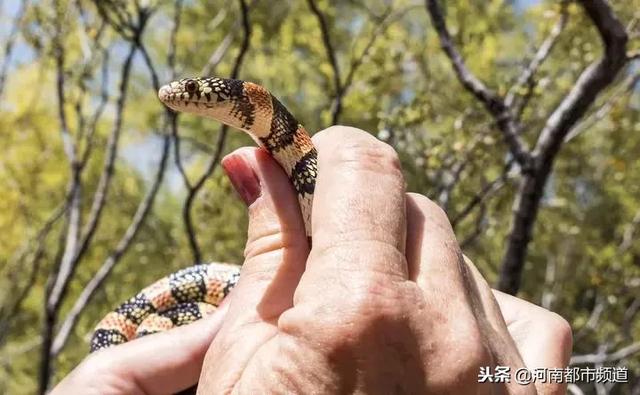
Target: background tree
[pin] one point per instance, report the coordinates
(520, 118)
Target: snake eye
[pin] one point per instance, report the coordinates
(191, 86)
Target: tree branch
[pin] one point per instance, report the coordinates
(526, 78)
(74, 253)
(593, 80)
(10, 307)
(622, 353)
(145, 205)
(502, 114)
(596, 116)
(333, 61)
(101, 275)
(489, 189)
(193, 190)
(77, 242)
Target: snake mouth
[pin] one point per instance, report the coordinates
(178, 99)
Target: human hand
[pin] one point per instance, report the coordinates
(383, 303)
(163, 363)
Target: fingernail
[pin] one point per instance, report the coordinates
(244, 179)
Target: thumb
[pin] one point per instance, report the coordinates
(277, 246)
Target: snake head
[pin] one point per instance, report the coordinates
(204, 96)
(239, 104)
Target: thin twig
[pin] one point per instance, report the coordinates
(333, 61)
(489, 189)
(592, 81)
(8, 311)
(526, 78)
(194, 189)
(101, 275)
(502, 113)
(619, 93)
(622, 353)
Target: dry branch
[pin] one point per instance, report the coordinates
(502, 113)
(537, 165)
(624, 352)
(333, 61)
(194, 189)
(526, 78)
(593, 80)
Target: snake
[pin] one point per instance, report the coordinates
(195, 292)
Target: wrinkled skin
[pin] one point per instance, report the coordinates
(383, 303)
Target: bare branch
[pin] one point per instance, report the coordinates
(75, 253)
(9, 309)
(382, 23)
(594, 318)
(622, 91)
(629, 315)
(574, 389)
(333, 61)
(59, 278)
(98, 279)
(104, 99)
(193, 190)
(622, 353)
(77, 243)
(492, 102)
(488, 190)
(527, 76)
(218, 54)
(593, 80)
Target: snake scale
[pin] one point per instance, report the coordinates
(192, 293)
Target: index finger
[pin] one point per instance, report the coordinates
(359, 204)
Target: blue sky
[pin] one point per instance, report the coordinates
(142, 155)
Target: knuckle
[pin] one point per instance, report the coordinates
(560, 328)
(369, 155)
(426, 205)
(356, 148)
(338, 133)
(375, 297)
(367, 303)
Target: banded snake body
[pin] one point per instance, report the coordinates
(194, 292)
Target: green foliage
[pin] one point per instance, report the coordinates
(404, 91)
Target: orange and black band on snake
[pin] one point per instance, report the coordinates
(194, 292)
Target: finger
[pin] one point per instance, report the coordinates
(277, 246)
(358, 205)
(535, 329)
(437, 265)
(166, 362)
(434, 257)
(543, 338)
(170, 361)
(452, 286)
(275, 256)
